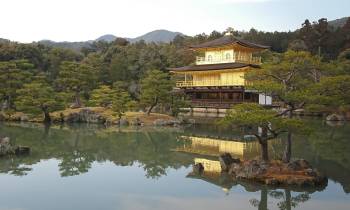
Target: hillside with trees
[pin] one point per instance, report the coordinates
(65, 78)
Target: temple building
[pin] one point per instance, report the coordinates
(217, 78)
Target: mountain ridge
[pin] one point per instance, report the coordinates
(158, 36)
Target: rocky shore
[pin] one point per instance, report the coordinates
(100, 115)
(298, 173)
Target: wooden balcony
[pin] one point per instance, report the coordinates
(210, 83)
(238, 58)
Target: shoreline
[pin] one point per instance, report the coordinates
(99, 116)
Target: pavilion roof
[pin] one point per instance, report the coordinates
(229, 40)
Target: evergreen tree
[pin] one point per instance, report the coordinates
(96, 61)
(13, 75)
(76, 78)
(155, 89)
(38, 97)
(288, 79)
(268, 120)
(103, 96)
(121, 103)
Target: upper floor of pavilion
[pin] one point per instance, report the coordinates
(228, 49)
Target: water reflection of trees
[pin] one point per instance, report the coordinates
(78, 147)
(328, 149)
(285, 199)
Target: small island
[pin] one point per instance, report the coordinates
(298, 173)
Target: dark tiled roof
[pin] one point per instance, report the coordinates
(227, 40)
(212, 67)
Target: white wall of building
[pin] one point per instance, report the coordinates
(265, 100)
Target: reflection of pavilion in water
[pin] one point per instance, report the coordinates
(214, 147)
(208, 149)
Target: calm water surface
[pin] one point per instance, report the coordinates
(91, 167)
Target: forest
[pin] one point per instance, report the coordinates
(37, 79)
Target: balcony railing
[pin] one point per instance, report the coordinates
(203, 60)
(239, 58)
(210, 83)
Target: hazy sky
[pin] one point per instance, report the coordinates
(77, 20)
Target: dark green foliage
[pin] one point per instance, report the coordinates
(121, 103)
(116, 98)
(102, 96)
(331, 93)
(288, 78)
(268, 120)
(13, 75)
(38, 97)
(77, 78)
(155, 89)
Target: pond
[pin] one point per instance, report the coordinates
(93, 167)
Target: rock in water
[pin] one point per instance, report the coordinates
(5, 146)
(335, 117)
(22, 150)
(163, 122)
(226, 161)
(7, 149)
(85, 115)
(136, 122)
(298, 165)
(198, 168)
(123, 122)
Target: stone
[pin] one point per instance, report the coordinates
(123, 122)
(7, 149)
(226, 160)
(2, 117)
(136, 122)
(162, 122)
(198, 168)
(335, 117)
(254, 170)
(24, 118)
(294, 166)
(186, 121)
(85, 115)
(298, 165)
(74, 106)
(5, 140)
(303, 164)
(248, 170)
(272, 181)
(5, 146)
(22, 150)
(311, 172)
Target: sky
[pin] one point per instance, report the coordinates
(80, 20)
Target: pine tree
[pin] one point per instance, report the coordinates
(103, 96)
(76, 78)
(288, 80)
(268, 120)
(155, 89)
(121, 103)
(38, 97)
(13, 75)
